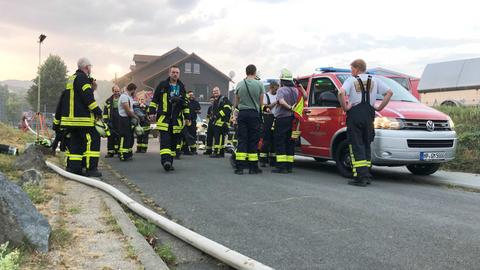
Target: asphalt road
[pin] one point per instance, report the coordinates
(312, 219)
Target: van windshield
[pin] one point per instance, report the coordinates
(399, 92)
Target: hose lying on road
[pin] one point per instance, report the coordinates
(216, 250)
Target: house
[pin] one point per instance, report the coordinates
(196, 73)
(451, 83)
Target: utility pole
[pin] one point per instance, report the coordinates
(41, 38)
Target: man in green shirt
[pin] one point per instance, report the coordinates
(248, 99)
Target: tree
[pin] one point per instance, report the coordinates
(54, 78)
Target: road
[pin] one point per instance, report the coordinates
(312, 219)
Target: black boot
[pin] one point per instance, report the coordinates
(167, 165)
(358, 181)
(93, 173)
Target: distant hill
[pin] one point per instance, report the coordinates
(17, 86)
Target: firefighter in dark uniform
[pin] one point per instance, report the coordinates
(195, 110)
(79, 110)
(168, 103)
(221, 111)
(209, 139)
(248, 100)
(362, 91)
(141, 110)
(267, 153)
(110, 116)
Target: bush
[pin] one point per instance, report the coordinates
(467, 126)
(9, 259)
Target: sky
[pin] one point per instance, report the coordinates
(272, 34)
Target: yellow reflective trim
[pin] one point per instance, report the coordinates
(281, 158)
(290, 159)
(93, 105)
(56, 121)
(241, 156)
(164, 103)
(227, 106)
(89, 145)
(222, 113)
(253, 157)
(105, 116)
(263, 155)
(86, 86)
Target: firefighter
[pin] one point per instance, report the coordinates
(195, 110)
(248, 100)
(362, 91)
(78, 113)
(221, 110)
(110, 116)
(287, 96)
(210, 123)
(141, 110)
(126, 122)
(267, 153)
(168, 103)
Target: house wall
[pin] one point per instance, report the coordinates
(466, 97)
(202, 84)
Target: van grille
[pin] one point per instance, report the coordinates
(412, 124)
(430, 143)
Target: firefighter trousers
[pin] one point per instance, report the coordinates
(83, 150)
(219, 133)
(209, 140)
(284, 145)
(126, 138)
(142, 141)
(113, 143)
(248, 135)
(267, 152)
(168, 144)
(192, 130)
(360, 133)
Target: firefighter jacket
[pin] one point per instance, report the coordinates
(221, 111)
(109, 110)
(169, 109)
(78, 106)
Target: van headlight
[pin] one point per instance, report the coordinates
(387, 123)
(451, 125)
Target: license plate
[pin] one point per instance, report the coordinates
(426, 156)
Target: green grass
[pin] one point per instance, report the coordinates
(131, 252)
(74, 210)
(165, 252)
(36, 193)
(467, 126)
(60, 236)
(144, 227)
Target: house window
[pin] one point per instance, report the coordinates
(188, 67)
(196, 68)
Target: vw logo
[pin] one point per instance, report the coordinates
(430, 125)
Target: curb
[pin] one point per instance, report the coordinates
(149, 259)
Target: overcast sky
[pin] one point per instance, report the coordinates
(299, 35)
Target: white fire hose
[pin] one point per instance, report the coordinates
(214, 249)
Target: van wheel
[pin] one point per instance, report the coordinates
(317, 159)
(423, 169)
(343, 160)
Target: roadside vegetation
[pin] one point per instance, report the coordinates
(467, 126)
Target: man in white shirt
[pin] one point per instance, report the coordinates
(267, 152)
(362, 90)
(125, 110)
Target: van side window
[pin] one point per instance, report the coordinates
(323, 93)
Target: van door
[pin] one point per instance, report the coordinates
(323, 117)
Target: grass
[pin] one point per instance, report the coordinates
(467, 126)
(144, 227)
(74, 210)
(110, 220)
(60, 236)
(131, 252)
(165, 252)
(36, 193)
(15, 137)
